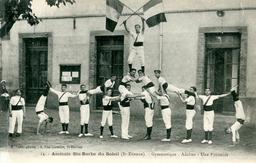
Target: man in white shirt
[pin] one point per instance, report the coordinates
(137, 48)
(240, 118)
(209, 113)
(39, 109)
(84, 111)
(101, 89)
(149, 111)
(17, 112)
(63, 97)
(166, 114)
(107, 112)
(164, 86)
(130, 77)
(190, 101)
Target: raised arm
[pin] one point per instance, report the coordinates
(125, 27)
(143, 25)
(55, 91)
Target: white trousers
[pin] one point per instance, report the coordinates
(167, 114)
(234, 128)
(97, 90)
(149, 113)
(107, 117)
(125, 116)
(64, 114)
(17, 115)
(139, 50)
(84, 114)
(208, 120)
(189, 119)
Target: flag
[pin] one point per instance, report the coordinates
(5, 29)
(114, 9)
(153, 12)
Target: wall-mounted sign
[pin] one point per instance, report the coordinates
(70, 74)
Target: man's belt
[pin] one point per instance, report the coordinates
(190, 107)
(122, 83)
(18, 107)
(63, 103)
(38, 112)
(107, 107)
(164, 107)
(208, 108)
(241, 121)
(138, 44)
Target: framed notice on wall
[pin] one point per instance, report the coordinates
(70, 74)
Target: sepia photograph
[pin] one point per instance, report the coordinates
(127, 81)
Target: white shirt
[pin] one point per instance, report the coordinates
(15, 99)
(164, 101)
(239, 110)
(140, 36)
(161, 80)
(127, 78)
(83, 96)
(106, 100)
(190, 100)
(124, 94)
(40, 103)
(147, 97)
(210, 101)
(109, 83)
(144, 79)
(62, 96)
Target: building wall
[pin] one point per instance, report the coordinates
(180, 38)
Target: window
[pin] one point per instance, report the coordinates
(70, 74)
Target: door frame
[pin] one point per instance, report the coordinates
(22, 57)
(93, 56)
(200, 77)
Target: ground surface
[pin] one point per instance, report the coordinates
(37, 145)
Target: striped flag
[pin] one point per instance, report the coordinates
(114, 9)
(153, 12)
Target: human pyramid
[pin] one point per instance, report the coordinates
(149, 96)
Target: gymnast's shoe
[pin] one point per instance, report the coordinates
(114, 136)
(184, 141)
(166, 140)
(62, 132)
(125, 138)
(209, 142)
(129, 136)
(204, 141)
(67, 132)
(101, 136)
(147, 137)
(88, 134)
(80, 135)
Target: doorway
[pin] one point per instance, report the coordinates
(222, 66)
(110, 56)
(36, 66)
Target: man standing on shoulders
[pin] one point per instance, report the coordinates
(137, 48)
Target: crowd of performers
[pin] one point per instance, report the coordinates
(149, 97)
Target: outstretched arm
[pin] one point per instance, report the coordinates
(181, 98)
(224, 95)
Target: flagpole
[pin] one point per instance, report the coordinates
(160, 46)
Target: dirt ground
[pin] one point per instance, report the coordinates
(51, 142)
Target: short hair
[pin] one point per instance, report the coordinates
(157, 71)
(133, 69)
(50, 119)
(194, 88)
(17, 90)
(113, 75)
(64, 85)
(82, 85)
(128, 85)
(140, 71)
